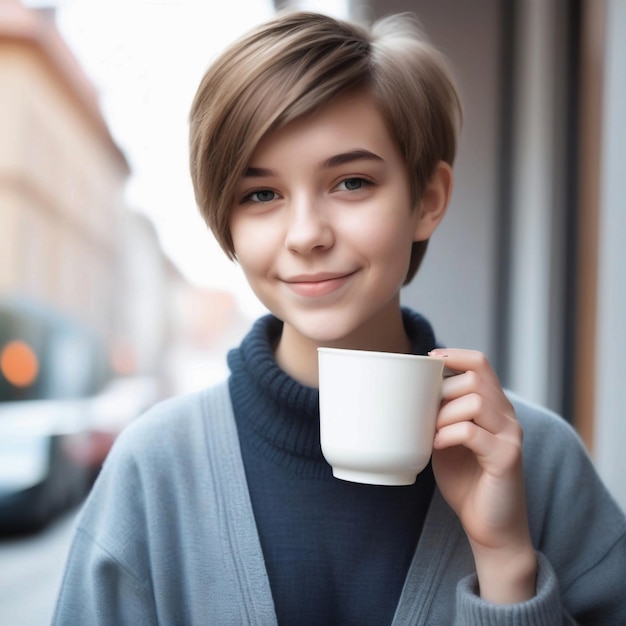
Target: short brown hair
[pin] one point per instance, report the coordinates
(293, 65)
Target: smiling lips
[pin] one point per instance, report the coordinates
(317, 285)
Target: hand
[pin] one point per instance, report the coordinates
(477, 462)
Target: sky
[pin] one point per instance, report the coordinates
(145, 59)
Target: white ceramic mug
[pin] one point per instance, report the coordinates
(378, 412)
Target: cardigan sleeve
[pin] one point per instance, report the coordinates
(602, 585)
(543, 609)
(107, 572)
(98, 590)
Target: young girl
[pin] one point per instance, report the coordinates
(321, 158)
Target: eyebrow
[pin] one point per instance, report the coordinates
(348, 157)
(333, 161)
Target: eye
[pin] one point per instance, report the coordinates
(261, 195)
(353, 184)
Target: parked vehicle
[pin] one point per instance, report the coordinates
(52, 450)
(38, 478)
(60, 411)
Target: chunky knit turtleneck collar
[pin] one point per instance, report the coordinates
(278, 415)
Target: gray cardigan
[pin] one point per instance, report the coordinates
(168, 536)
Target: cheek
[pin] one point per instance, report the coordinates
(386, 237)
(386, 246)
(249, 241)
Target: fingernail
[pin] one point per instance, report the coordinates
(437, 352)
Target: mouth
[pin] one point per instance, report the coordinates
(317, 285)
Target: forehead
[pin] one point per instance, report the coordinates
(351, 122)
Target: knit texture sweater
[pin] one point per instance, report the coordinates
(169, 535)
(336, 552)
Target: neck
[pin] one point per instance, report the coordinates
(296, 354)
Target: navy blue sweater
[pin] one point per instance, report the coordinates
(336, 552)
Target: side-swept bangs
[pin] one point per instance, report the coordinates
(289, 67)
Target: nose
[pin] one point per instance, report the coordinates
(308, 228)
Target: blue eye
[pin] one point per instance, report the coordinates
(353, 184)
(262, 195)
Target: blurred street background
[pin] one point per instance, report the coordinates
(31, 572)
(113, 295)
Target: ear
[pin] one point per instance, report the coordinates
(432, 204)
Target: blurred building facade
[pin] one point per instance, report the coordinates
(69, 247)
(68, 243)
(61, 176)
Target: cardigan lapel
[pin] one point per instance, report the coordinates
(441, 559)
(243, 553)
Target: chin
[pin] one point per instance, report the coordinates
(329, 332)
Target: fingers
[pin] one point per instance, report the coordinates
(475, 373)
(460, 385)
(467, 434)
(462, 360)
(470, 407)
(477, 457)
(498, 452)
(473, 401)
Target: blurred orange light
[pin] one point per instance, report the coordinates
(19, 364)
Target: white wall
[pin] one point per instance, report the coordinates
(610, 409)
(532, 364)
